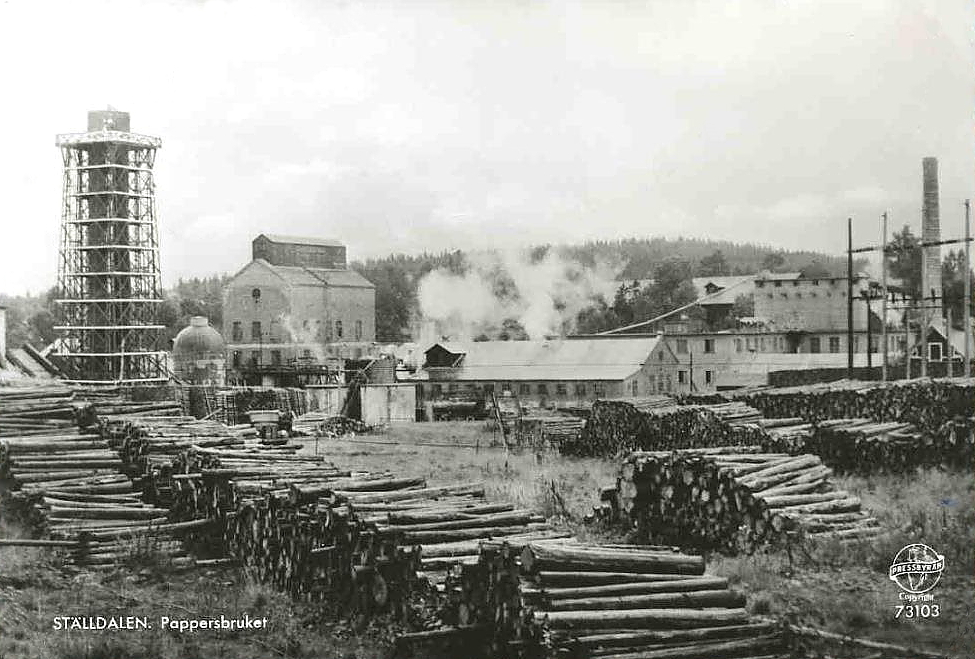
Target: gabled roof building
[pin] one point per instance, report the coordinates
(296, 304)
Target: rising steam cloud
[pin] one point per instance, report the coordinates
(542, 296)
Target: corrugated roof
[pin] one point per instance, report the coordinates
(301, 276)
(302, 240)
(576, 359)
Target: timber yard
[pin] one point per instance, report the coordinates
(703, 483)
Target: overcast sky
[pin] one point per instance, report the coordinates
(406, 126)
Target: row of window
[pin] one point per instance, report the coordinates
(525, 389)
(760, 344)
(799, 294)
(778, 283)
(683, 347)
(333, 331)
(708, 377)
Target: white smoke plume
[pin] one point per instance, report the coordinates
(543, 297)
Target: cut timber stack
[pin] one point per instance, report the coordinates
(149, 445)
(448, 523)
(69, 486)
(736, 499)
(865, 446)
(616, 427)
(865, 427)
(27, 409)
(567, 599)
(925, 403)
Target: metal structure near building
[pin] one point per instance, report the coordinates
(109, 285)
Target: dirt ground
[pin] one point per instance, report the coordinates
(845, 591)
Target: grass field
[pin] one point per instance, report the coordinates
(841, 590)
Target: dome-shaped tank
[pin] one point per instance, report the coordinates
(199, 353)
(198, 339)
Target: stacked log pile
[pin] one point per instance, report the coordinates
(865, 446)
(926, 403)
(878, 426)
(616, 427)
(561, 598)
(69, 487)
(36, 409)
(736, 499)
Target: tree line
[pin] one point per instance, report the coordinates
(655, 277)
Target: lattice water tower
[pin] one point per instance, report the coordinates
(109, 286)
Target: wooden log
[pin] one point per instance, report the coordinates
(647, 637)
(739, 648)
(641, 618)
(540, 557)
(691, 599)
(638, 588)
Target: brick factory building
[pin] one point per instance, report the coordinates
(296, 307)
(549, 373)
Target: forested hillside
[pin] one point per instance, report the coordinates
(588, 287)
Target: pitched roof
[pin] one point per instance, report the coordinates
(301, 240)
(557, 359)
(732, 288)
(302, 276)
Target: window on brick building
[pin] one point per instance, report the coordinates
(358, 330)
(256, 330)
(524, 389)
(235, 359)
(709, 378)
(543, 389)
(814, 344)
(237, 332)
(708, 345)
(255, 357)
(276, 357)
(682, 346)
(561, 389)
(338, 329)
(834, 344)
(580, 389)
(635, 388)
(599, 389)
(681, 377)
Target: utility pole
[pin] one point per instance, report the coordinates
(883, 286)
(692, 373)
(968, 290)
(908, 348)
(924, 306)
(849, 298)
(866, 298)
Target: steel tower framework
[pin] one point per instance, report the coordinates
(109, 285)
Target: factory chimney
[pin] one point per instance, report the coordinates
(931, 232)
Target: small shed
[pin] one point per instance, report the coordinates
(388, 403)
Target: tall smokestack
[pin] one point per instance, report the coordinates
(931, 232)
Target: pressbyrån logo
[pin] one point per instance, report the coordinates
(917, 568)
